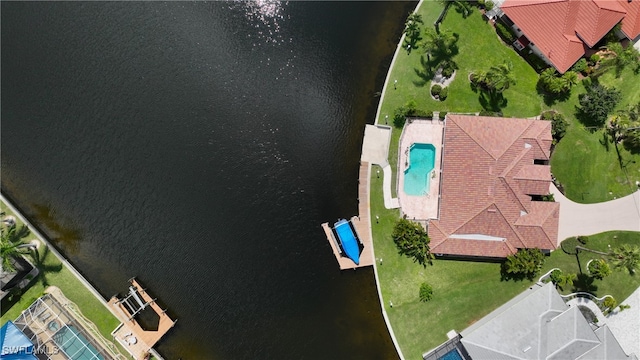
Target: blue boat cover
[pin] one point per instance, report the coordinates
(348, 240)
(15, 344)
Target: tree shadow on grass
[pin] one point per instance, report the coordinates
(40, 261)
(506, 276)
(632, 148)
(492, 101)
(605, 141)
(425, 72)
(584, 283)
(551, 98)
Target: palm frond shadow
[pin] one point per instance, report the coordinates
(425, 72)
(40, 262)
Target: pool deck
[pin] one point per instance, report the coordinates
(421, 207)
(361, 223)
(130, 329)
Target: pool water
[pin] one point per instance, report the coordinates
(451, 355)
(75, 344)
(421, 162)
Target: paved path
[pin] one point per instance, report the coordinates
(375, 150)
(389, 202)
(588, 219)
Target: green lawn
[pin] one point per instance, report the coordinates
(620, 284)
(72, 288)
(479, 48)
(585, 161)
(465, 291)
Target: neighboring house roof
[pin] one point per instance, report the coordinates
(537, 324)
(550, 26)
(488, 175)
(631, 22)
(562, 28)
(596, 18)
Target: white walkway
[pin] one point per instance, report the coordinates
(375, 150)
(588, 219)
(625, 325)
(389, 202)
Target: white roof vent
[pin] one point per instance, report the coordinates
(527, 146)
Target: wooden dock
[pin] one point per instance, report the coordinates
(361, 223)
(136, 340)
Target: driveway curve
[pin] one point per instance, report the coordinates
(588, 219)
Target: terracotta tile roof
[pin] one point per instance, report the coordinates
(596, 18)
(550, 25)
(562, 29)
(460, 247)
(486, 159)
(631, 21)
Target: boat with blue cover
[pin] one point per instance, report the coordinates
(348, 240)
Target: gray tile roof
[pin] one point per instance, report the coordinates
(537, 324)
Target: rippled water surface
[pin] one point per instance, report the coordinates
(199, 146)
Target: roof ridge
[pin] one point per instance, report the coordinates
(471, 137)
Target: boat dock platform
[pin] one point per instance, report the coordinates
(137, 341)
(361, 223)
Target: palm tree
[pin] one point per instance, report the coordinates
(626, 257)
(412, 31)
(566, 279)
(11, 245)
(500, 77)
(569, 80)
(442, 45)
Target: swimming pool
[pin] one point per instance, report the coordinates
(422, 158)
(348, 240)
(451, 355)
(74, 344)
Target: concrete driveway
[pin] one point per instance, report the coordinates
(588, 219)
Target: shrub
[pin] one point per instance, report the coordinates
(488, 5)
(444, 93)
(448, 67)
(558, 124)
(412, 241)
(569, 245)
(505, 33)
(556, 276)
(609, 304)
(443, 115)
(526, 263)
(435, 90)
(548, 197)
(599, 269)
(593, 59)
(597, 103)
(426, 292)
(580, 66)
(399, 117)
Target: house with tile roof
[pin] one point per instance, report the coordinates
(561, 31)
(538, 324)
(494, 173)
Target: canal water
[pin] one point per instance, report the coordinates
(198, 146)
